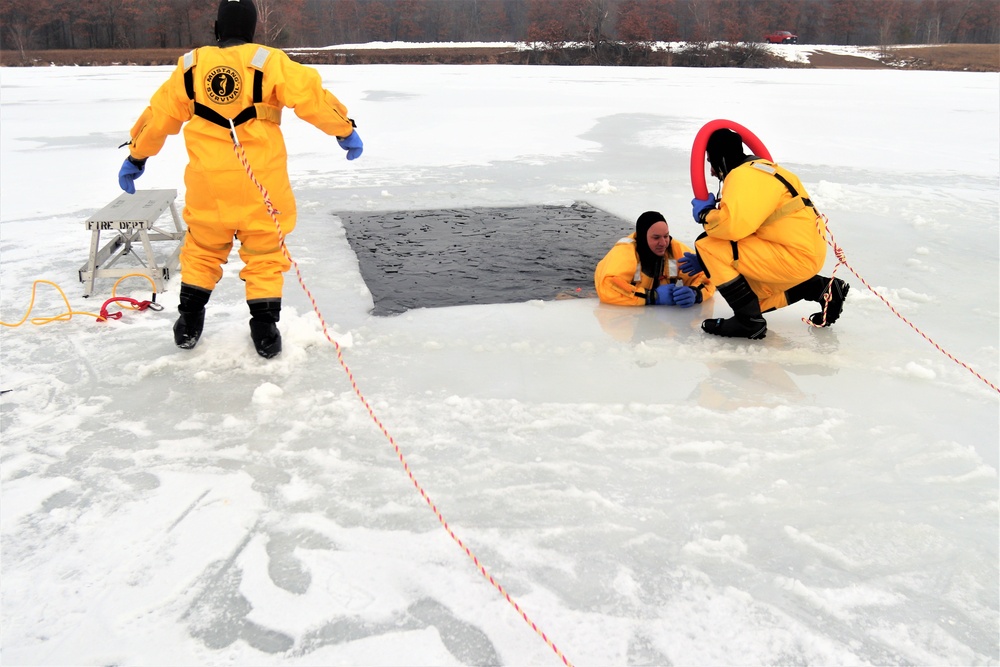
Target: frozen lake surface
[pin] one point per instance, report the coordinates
(647, 494)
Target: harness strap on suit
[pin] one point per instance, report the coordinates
(796, 204)
(258, 110)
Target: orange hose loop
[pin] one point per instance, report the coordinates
(151, 304)
(756, 146)
(241, 155)
(842, 260)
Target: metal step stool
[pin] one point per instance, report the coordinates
(132, 219)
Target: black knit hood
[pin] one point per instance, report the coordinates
(725, 151)
(652, 264)
(237, 20)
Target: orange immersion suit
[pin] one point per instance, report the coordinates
(619, 279)
(250, 83)
(765, 229)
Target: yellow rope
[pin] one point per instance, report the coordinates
(65, 316)
(68, 314)
(131, 275)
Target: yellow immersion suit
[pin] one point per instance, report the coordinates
(620, 281)
(764, 232)
(221, 201)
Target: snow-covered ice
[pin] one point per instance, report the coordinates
(648, 495)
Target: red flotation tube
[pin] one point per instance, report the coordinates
(701, 141)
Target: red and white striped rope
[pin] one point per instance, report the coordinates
(842, 259)
(241, 155)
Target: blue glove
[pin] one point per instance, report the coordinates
(690, 264)
(665, 295)
(684, 296)
(352, 144)
(131, 170)
(700, 207)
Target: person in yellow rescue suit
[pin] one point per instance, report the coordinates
(236, 89)
(761, 247)
(641, 269)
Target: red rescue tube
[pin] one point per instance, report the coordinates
(755, 145)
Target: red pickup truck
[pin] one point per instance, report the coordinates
(782, 37)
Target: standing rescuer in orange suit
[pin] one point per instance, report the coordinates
(235, 87)
(761, 246)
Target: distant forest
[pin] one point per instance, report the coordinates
(137, 24)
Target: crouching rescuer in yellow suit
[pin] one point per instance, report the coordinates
(235, 87)
(761, 246)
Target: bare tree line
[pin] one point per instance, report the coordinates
(125, 24)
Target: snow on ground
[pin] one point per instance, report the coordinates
(792, 52)
(648, 495)
(802, 53)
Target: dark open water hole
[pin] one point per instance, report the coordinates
(452, 257)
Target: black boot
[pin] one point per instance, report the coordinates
(816, 289)
(837, 293)
(264, 314)
(746, 322)
(188, 327)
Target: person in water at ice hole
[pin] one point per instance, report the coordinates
(641, 269)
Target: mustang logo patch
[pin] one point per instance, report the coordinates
(223, 85)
